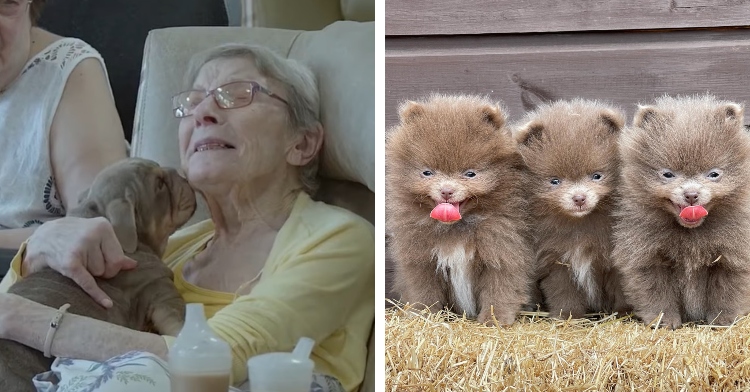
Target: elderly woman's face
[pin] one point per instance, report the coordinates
(15, 28)
(243, 144)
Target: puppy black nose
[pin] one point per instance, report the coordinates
(446, 192)
(580, 200)
(691, 197)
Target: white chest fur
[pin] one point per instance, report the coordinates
(580, 262)
(455, 265)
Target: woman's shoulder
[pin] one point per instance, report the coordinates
(315, 224)
(66, 52)
(321, 232)
(320, 216)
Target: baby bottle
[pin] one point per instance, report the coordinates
(198, 360)
(282, 372)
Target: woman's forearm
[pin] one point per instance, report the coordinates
(77, 336)
(13, 238)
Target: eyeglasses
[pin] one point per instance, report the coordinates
(13, 8)
(229, 96)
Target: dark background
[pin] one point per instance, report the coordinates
(118, 30)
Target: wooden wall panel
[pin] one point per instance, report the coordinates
(623, 68)
(520, 70)
(451, 17)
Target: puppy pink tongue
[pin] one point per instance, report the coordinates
(693, 213)
(446, 212)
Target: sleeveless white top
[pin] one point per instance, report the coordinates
(28, 195)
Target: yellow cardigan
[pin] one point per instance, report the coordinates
(318, 281)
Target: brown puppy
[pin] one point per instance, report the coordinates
(683, 155)
(145, 204)
(451, 156)
(570, 148)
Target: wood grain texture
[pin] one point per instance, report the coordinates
(450, 17)
(622, 68)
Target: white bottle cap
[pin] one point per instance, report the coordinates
(197, 350)
(288, 372)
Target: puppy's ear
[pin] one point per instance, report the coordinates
(121, 215)
(614, 120)
(645, 116)
(529, 133)
(493, 116)
(410, 110)
(731, 113)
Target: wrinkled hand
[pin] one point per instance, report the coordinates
(80, 249)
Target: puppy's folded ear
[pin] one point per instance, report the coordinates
(493, 116)
(121, 215)
(646, 116)
(531, 131)
(731, 113)
(410, 110)
(613, 119)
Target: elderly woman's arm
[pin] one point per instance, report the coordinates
(85, 136)
(27, 322)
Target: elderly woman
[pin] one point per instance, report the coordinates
(57, 109)
(270, 266)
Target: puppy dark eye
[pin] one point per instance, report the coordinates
(596, 176)
(667, 174)
(714, 175)
(555, 181)
(470, 174)
(427, 173)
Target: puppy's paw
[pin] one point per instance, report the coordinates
(167, 319)
(502, 318)
(668, 320)
(672, 322)
(565, 313)
(723, 318)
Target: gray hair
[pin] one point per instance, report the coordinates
(297, 80)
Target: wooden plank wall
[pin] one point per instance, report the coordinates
(451, 17)
(520, 53)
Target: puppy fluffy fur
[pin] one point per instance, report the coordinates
(460, 144)
(682, 151)
(570, 149)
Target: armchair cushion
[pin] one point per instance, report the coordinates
(342, 56)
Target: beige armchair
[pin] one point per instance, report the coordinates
(341, 56)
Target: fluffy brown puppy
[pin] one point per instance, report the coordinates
(570, 148)
(684, 157)
(145, 204)
(454, 159)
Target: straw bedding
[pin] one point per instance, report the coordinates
(445, 352)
